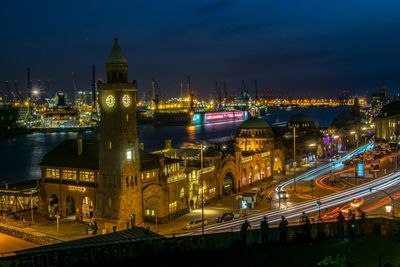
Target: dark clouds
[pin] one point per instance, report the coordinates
(321, 47)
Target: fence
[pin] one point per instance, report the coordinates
(81, 254)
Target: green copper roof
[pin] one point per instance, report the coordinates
(116, 55)
(254, 123)
(390, 109)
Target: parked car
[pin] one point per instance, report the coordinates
(196, 223)
(228, 216)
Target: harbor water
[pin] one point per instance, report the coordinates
(20, 156)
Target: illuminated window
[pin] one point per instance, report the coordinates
(173, 206)
(147, 175)
(211, 192)
(129, 155)
(69, 174)
(150, 212)
(86, 176)
(110, 145)
(53, 173)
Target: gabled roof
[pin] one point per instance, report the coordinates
(66, 155)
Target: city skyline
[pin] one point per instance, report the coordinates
(308, 49)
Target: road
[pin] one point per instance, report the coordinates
(330, 201)
(9, 243)
(324, 169)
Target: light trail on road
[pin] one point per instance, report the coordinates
(332, 200)
(326, 168)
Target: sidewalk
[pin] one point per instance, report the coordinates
(44, 231)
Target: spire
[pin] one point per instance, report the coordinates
(116, 55)
(117, 65)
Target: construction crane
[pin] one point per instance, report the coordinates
(155, 96)
(10, 95)
(94, 93)
(225, 93)
(74, 90)
(29, 82)
(256, 90)
(219, 95)
(17, 91)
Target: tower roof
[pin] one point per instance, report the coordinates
(116, 55)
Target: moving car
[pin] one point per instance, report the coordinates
(196, 223)
(283, 194)
(228, 216)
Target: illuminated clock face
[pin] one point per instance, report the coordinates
(110, 101)
(126, 100)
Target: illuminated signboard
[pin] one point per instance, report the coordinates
(77, 188)
(360, 169)
(224, 116)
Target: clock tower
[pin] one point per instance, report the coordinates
(119, 201)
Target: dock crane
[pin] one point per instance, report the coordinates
(155, 96)
(18, 93)
(225, 94)
(74, 90)
(219, 95)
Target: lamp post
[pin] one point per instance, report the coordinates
(388, 208)
(202, 189)
(294, 158)
(155, 214)
(319, 208)
(31, 208)
(312, 189)
(58, 222)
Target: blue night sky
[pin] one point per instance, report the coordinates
(303, 48)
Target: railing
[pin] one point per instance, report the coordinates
(70, 255)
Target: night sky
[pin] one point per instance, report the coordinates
(303, 48)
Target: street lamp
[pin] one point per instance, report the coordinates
(319, 208)
(312, 189)
(202, 189)
(294, 158)
(388, 208)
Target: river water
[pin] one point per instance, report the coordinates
(20, 156)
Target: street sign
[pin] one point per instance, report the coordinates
(360, 169)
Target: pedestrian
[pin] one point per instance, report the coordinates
(305, 222)
(264, 227)
(363, 219)
(351, 225)
(243, 231)
(340, 225)
(283, 227)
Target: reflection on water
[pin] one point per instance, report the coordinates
(20, 157)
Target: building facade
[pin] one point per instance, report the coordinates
(113, 181)
(387, 123)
